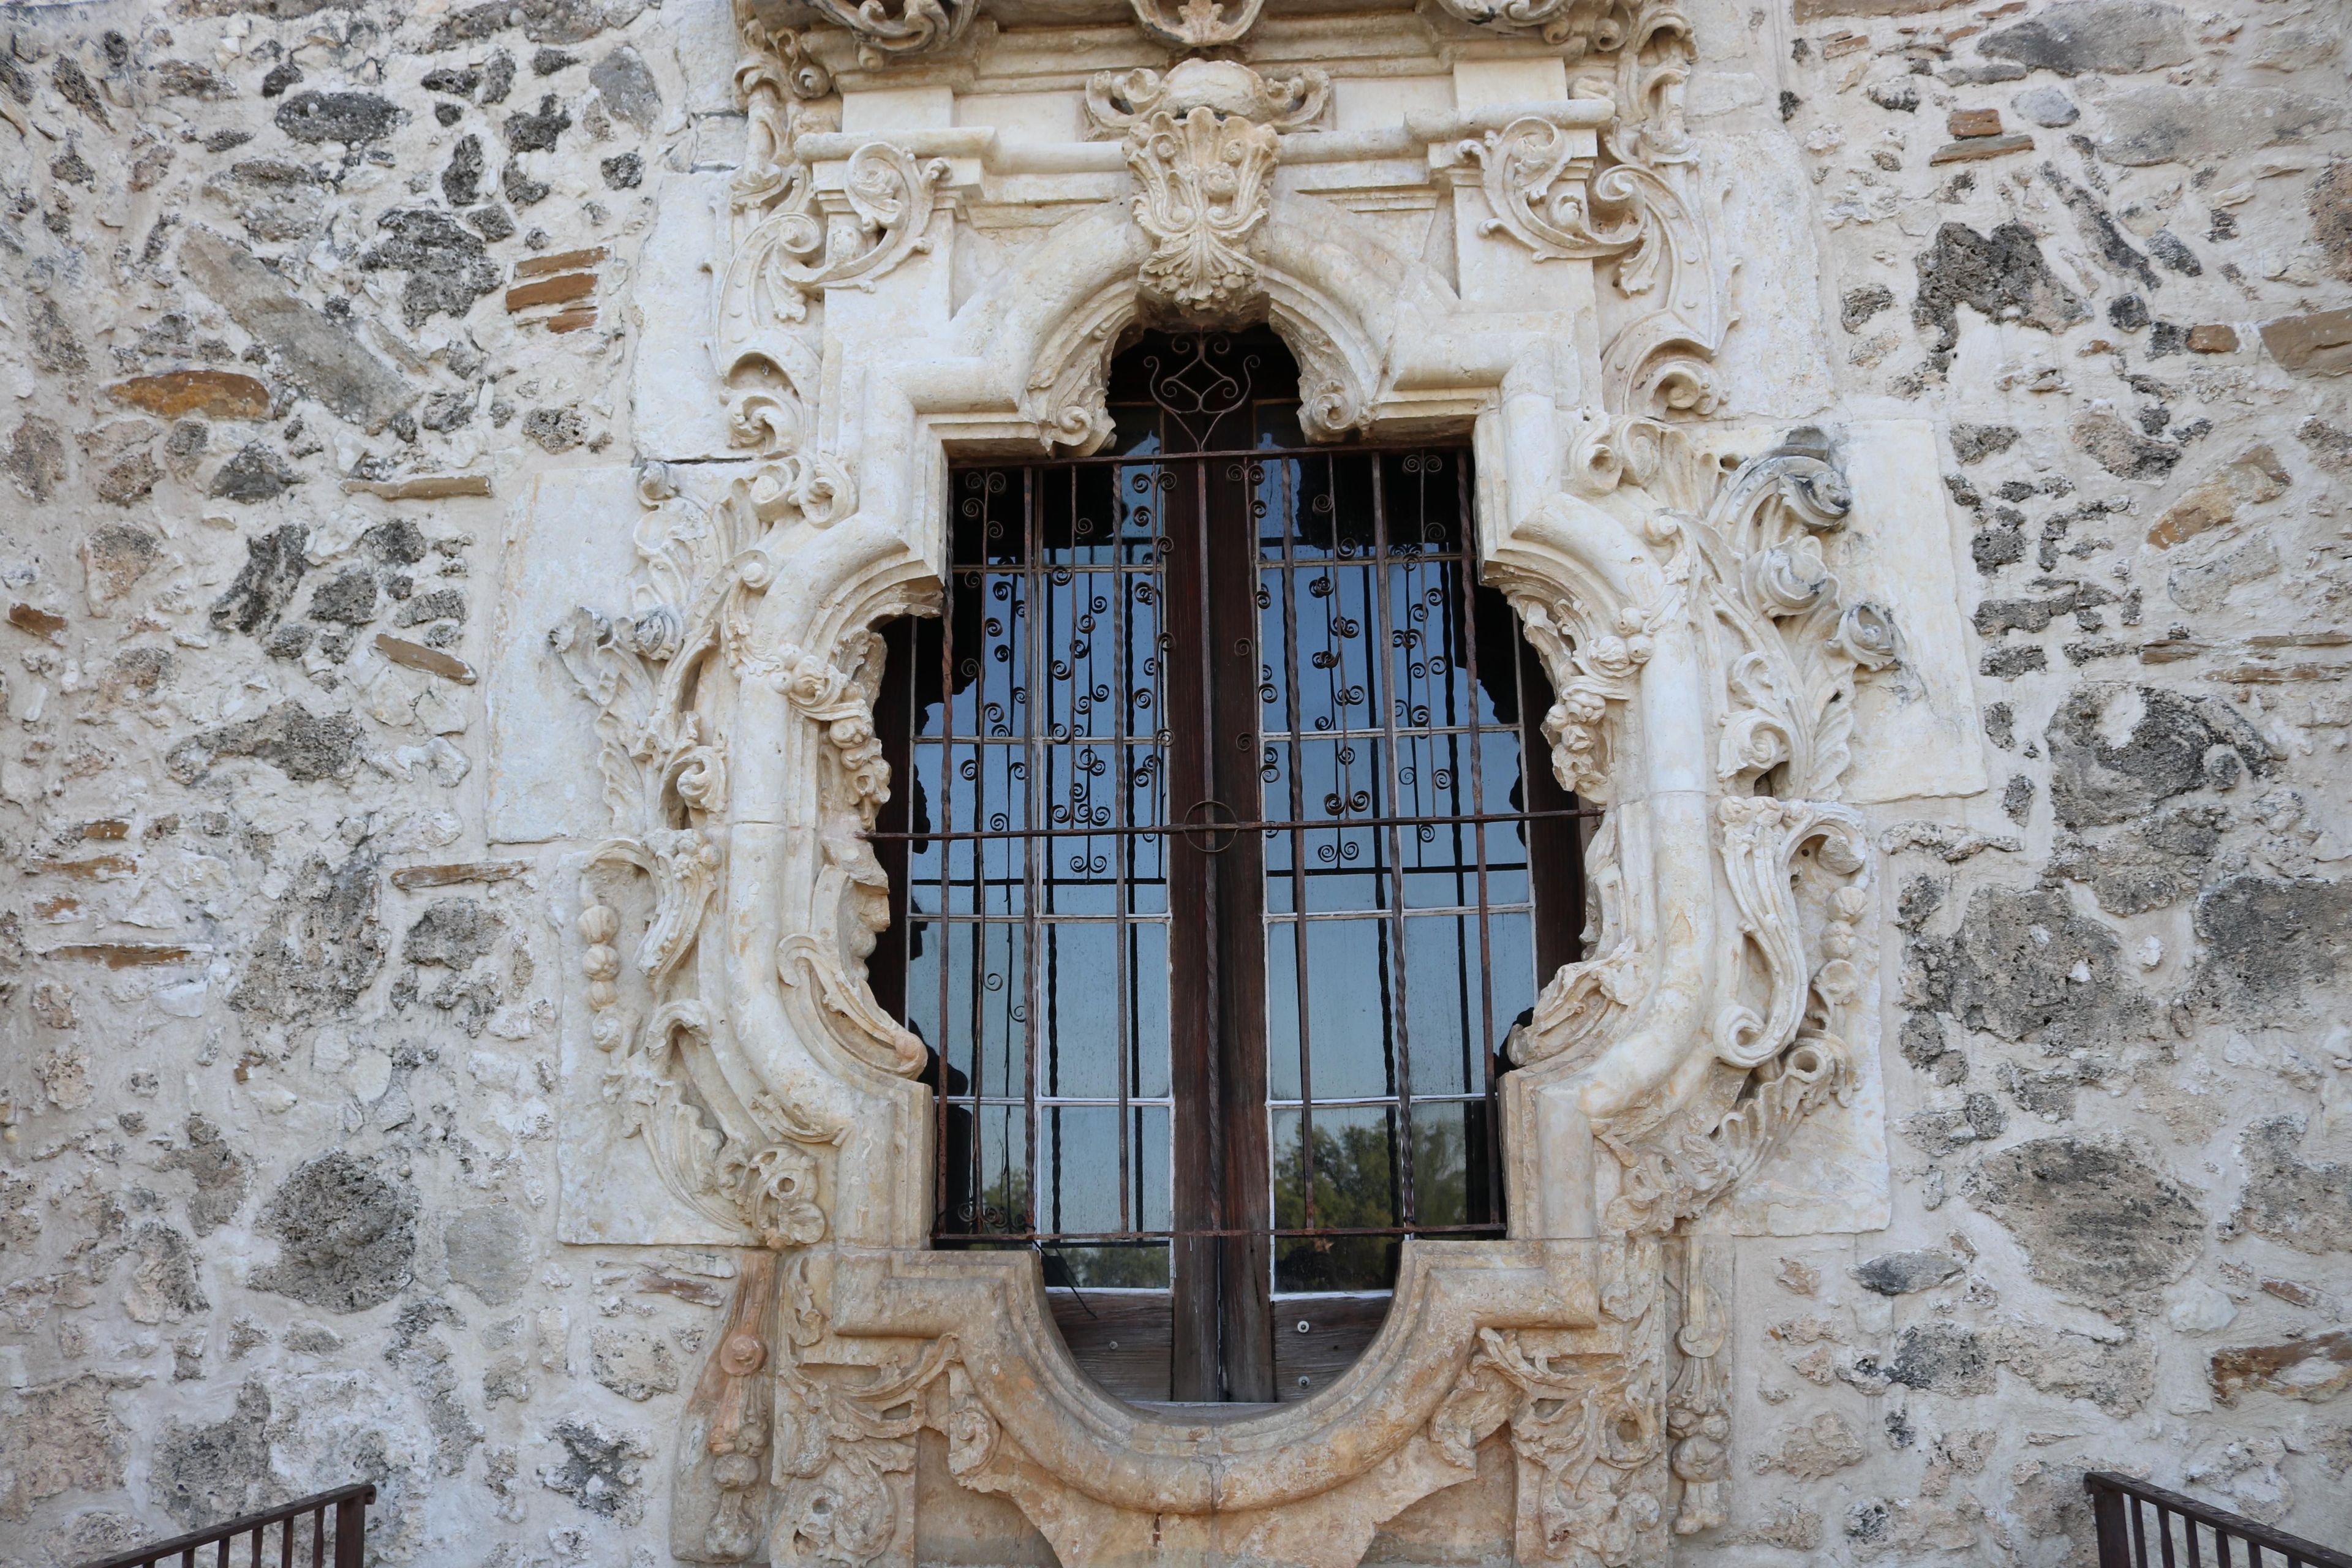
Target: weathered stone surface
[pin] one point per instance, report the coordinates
(1942, 1358)
(60, 1436)
(206, 1472)
(256, 473)
(36, 459)
(346, 1234)
(1813, 1450)
(2267, 942)
(1901, 1273)
(299, 743)
(2097, 1222)
(324, 947)
(2319, 343)
(2305, 1206)
(2116, 751)
(2313, 1368)
(446, 269)
(633, 1364)
(2170, 124)
(489, 1252)
(600, 1470)
(215, 394)
(2112, 37)
(2120, 449)
(629, 87)
(323, 358)
(221, 1175)
(2117, 1375)
(2001, 274)
(2254, 476)
(2151, 865)
(2026, 966)
(351, 118)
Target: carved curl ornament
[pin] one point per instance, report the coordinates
(1644, 206)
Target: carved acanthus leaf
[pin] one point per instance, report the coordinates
(1675, 1169)
(1550, 192)
(845, 1448)
(1583, 27)
(791, 242)
(1762, 840)
(851, 902)
(909, 28)
(1200, 143)
(1197, 23)
(1793, 646)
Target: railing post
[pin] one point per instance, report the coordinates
(2107, 1515)
(351, 1529)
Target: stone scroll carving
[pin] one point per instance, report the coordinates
(1200, 144)
(1643, 207)
(1746, 582)
(790, 242)
(886, 29)
(742, 1156)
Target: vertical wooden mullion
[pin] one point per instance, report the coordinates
(1466, 570)
(1245, 1308)
(944, 932)
(1194, 1210)
(1033, 848)
(1384, 628)
(1298, 840)
(1122, 928)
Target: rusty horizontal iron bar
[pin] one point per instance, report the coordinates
(1309, 824)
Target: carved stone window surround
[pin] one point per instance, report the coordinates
(1673, 582)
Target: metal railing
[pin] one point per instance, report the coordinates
(2141, 1526)
(347, 1531)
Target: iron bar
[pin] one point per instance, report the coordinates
(1309, 824)
(1054, 1237)
(349, 1506)
(2117, 1510)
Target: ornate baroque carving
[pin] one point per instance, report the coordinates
(791, 241)
(1198, 23)
(1200, 144)
(908, 27)
(1587, 1421)
(1644, 208)
(746, 1163)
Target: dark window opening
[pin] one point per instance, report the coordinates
(1224, 854)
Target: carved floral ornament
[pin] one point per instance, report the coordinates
(721, 932)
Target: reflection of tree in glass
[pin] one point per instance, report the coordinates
(1004, 1204)
(1355, 1186)
(1108, 1267)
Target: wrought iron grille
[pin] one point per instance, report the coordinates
(1220, 875)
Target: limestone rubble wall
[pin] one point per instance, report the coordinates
(280, 997)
